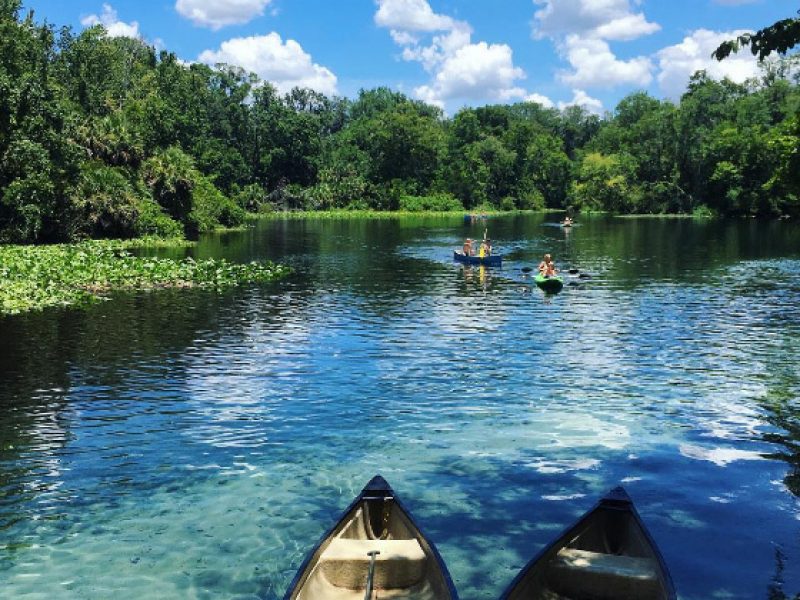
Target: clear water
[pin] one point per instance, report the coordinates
(184, 444)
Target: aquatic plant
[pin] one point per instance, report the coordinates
(37, 277)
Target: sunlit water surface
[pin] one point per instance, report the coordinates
(187, 444)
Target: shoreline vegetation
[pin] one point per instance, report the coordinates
(33, 278)
(110, 137)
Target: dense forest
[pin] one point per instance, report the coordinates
(107, 137)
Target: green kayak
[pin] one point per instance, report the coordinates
(549, 284)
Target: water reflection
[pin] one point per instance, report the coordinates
(186, 443)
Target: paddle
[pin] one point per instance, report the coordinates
(372, 554)
(526, 269)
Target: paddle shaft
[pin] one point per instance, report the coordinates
(372, 554)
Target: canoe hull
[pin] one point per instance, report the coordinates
(407, 565)
(495, 260)
(549, 284)
(608, 554)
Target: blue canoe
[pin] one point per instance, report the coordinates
(495, 260)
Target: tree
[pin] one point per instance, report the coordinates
(779, 37)
(606, 183)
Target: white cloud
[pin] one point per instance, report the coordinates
(625, 28)
(112, 24)
(440, 49)
(216, 14)
(539, 99)
(410, 15)
(596, 66)
(285, 65)
(679, 62)
(459, 68)
(582, 99)
(581, 30)
(475, 72)
(605, 19)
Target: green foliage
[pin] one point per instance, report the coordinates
(252, 198)
(532, 199)
(403, 144)
(37, 277)
(151, 220)
(433, 203)
(171, 177)
(23, 207)
(779, 37)
(106, 203)
(210, 208)
(113, 139)
(508, 203)
(604, 183)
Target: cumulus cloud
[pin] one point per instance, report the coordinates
(285, 65)
(679, 62)
(539, 99)
(410, 15)
(581, 30)
(582, 99)
(596, 66)
(605, 19)
(475, 72)
(459, 68)
(216, 14)
(112, 24)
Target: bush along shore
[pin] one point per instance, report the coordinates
(36, 277)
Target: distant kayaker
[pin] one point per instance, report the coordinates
(547, 267)
(468, 247)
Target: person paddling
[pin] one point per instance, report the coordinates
(467, 247)
(547, 267)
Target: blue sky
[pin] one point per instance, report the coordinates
(448, 52)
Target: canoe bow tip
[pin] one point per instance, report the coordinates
(618, 494)
(377, 483)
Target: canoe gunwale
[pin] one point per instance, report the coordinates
(376, 489)
(615, 500)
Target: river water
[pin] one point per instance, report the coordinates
(188, 444)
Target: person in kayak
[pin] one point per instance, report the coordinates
(486, 249)
(547, 267)
(467, 247)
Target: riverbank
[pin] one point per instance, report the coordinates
(387, 214)
(37, 277)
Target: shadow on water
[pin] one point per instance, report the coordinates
(775, 590)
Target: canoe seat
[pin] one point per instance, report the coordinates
(400, 564)
(584, 574)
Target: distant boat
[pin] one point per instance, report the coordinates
(494, 260)
(549, 284)
(374, 551)
(469, 218)
(607, 555)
